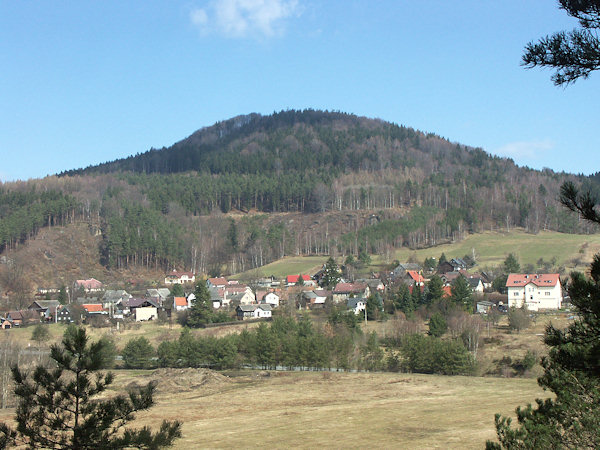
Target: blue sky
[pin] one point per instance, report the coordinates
(87, 82)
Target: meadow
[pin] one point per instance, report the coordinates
(572, 251)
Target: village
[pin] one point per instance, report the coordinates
(261, 298)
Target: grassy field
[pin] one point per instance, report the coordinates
(573, 251)
(309, 409)
(491, 248)
(322, 409)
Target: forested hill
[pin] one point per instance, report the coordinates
(254, 188)
(304, 141)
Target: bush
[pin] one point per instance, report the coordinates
(432, 355)
(138, 354)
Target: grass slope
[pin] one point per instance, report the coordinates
(341, 410)
(573, 251)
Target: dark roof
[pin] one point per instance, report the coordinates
(140, 302)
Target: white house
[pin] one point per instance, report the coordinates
(357, 305)
(271, 298)
(537, 291)
(253, 311)
(176, 277)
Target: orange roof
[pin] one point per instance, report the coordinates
(180, 301)
(92, 307)
(415, 276)
(523, 279)
(447, 291)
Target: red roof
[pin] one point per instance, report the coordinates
(292, 279)
(92, 283)
(523, 279)
(415, 276)
(180, 301)
(92, 307)
(218, 281)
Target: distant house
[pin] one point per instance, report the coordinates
(23, 317)
(238, 294)
(46, 308)
(454, 265)
(90, 285)
(292, 280)
(115, 296)
(343, 291)
(535, 291)
(244, 312)
(5, 324)
(65, 314)
(159, 295)
(484, 307)
(401, 269)
(144, 313)
(93, 309)
(357, 304)
(180, 303)
(218, 282)
(476, 284)
(270, 298)
(375, 284)
(176, 277)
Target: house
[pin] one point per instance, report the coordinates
(218, 297)
(115, 296)
(144, 313)
(375, 284)
(270, 298)
(476, 284)
(413, 277)
(93, 309)
(242, 298)
(535, 291)
(357, 304)
(23, 317)
(343, 291)
(159, 295)
(89, 285)
(180, 303)
(46, 308)
(134, 303)
(450, 277)
(401, 269)
(244, 312)
(218, 282)
(5, 324)
(239, 294)
(292, 280)
(484, 307)
(176, 277)
(65, 314)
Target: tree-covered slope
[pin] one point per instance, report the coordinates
(295, 182)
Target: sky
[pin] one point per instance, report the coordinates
(87, 82)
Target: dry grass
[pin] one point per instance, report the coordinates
(318, 409)
(322, 409)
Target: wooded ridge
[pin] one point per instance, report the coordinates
(246, 191)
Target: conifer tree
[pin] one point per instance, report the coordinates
(59, 407)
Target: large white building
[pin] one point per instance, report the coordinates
(537, 291)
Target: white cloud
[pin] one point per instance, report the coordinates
(242, 18)
(525, 149)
